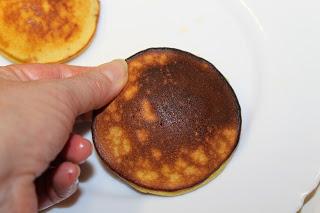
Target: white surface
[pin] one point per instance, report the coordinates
(269, 51)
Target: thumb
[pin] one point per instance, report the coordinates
(93, 89)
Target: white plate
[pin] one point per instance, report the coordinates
(269, 51)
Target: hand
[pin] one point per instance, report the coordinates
(38, 108)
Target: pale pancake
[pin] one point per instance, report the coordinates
(46, 31)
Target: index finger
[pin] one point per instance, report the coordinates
(28, 72)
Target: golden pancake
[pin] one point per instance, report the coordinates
(46, 31)
(174, 125)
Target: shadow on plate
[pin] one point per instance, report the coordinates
(87, 172)
(70, 201)
(82, 127)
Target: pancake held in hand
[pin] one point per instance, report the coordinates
(173, 126)
(46, 31)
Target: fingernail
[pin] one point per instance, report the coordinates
(116, 71)
(73, 188)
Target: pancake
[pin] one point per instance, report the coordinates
(174, 125)
(46, 31)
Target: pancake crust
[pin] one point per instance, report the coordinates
(173, 126)
(46, 31)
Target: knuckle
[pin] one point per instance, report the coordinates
(14, 73)
(98, 86)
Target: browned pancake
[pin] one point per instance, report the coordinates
(46, 31)
(173, 126)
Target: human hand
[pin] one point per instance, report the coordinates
(38, 108)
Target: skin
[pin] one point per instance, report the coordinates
(39, 104)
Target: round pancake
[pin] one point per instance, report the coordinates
(46, 31)
(173, 126)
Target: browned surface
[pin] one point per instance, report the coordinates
(173, 125)
(46, 30)
(42, 20)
